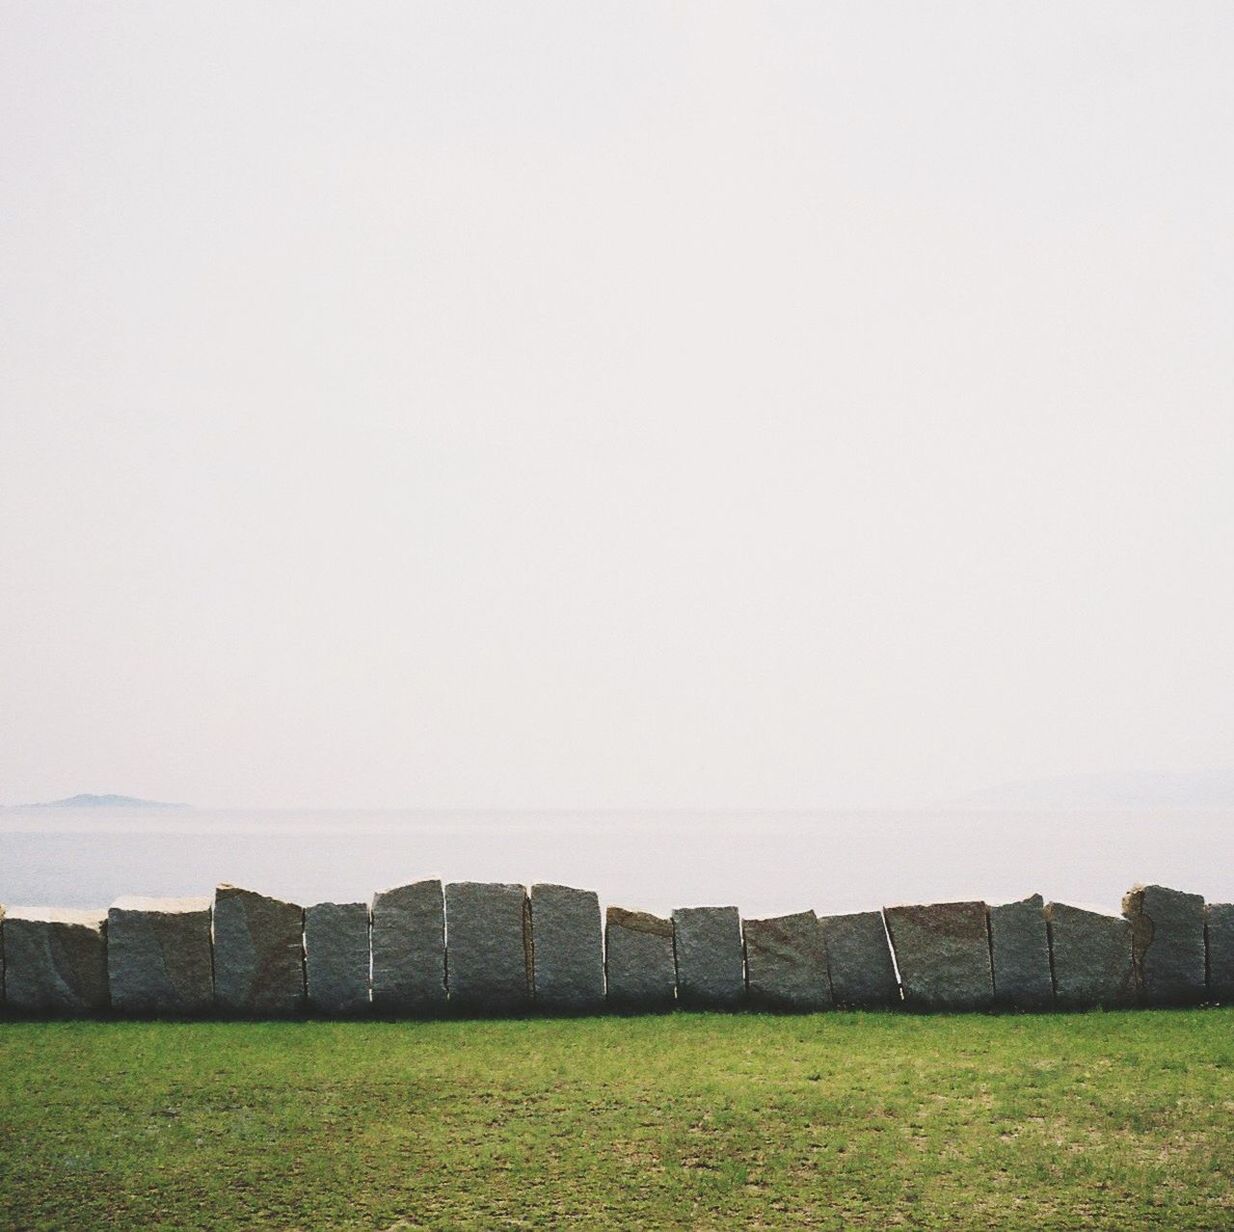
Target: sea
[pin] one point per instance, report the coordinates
(764, 863)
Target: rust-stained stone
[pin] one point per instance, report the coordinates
(1020, 949)
(258, 954)
(1167, 944)
(639, 960)
(859, 961)
(943, 953)
(786, 963)
(55, 960)
(1091, 956)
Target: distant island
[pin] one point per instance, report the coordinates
(86, 800)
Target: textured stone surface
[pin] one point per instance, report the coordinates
(158, 956)
(55, 960)
(258, 954)
(786, 963)
(336, 957)
(639, 963)
(409, 949)
(1020, 947)
(1091, 956)
(488, 948)
(943, 953)
(1220, 938)
(1167, 944)
(859, 961)
(567, 949)
(707, 946)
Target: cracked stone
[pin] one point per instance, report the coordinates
(258, 954)
(55, 960)
(1167, 944)
(159, 958)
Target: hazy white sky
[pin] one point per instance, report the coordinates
(613, 404)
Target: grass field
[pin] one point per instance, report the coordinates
(692, 1121)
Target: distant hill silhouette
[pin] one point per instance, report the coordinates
(86, 800)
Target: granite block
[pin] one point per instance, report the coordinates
(943, 953)
(488, 948)
(1090, 954)
(786, 963)
(55, 960)
(708, 951)
(336, 958)
(1020, 949)
(258, 954)
(159, 958)
(409, 950)
(639, 964)
(567, 949)
(1167, 944)
(859, 961)
(1219, 936)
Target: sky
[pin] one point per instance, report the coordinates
(613, 405)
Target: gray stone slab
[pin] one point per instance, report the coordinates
(708, 951)
(258, 954)
(336, 958)
(1020, 949)
(859, 961)
(159, 959)
(943, 953)
(1, 954)
(567, 949)
(55, 960)
(786, 963)
(1090, 954)
(1167, 944)
(1219, 935)
(409, 950)
(639, 964)
(488, 948)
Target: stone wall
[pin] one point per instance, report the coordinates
(424, 949)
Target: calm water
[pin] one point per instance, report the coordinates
(764, 863)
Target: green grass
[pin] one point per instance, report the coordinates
(692, 1121)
